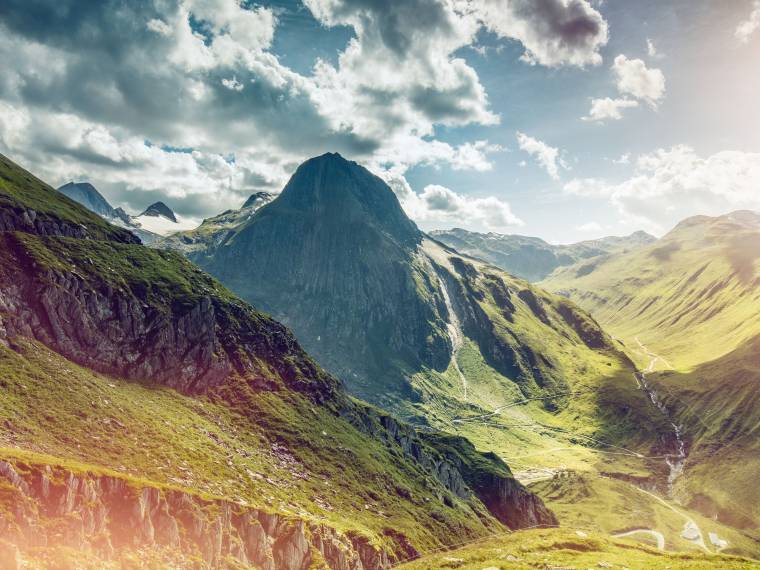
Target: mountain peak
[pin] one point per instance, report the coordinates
(256, 199)
(345, 193)
(160, 209)
(87, 195)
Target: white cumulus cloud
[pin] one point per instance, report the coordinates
(635, 82)
(553, 32)
(439, 207)
(748, 27)
(546, 156)
(607, 109)
(677, 182)
(636, 79)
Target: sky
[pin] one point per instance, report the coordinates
(564, 119)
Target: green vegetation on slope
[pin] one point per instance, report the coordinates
(691, 297)
(576, 498)
(564, 548)
(689, 305)
(269, 451)
(22, 193)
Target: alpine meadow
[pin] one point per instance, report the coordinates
(378, 284)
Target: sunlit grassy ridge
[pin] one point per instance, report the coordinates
(21, 191)
(691, 297)
(270, 452)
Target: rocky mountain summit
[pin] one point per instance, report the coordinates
(86, 194)
(159, 209)
(155, 221)
(335, 257)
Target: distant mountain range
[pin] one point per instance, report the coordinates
(533, 258)
(215, 229)
(155, 221)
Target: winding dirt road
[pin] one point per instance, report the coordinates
(657, 535)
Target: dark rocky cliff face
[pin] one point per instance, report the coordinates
(123, 328)
(334, 258)
(461, 469)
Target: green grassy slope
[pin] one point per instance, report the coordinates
(689, 305)
(576, 498)
(273, 450)
(691, 297)
(562, 548)
(564, 388)
(24, 196)
(719, 405)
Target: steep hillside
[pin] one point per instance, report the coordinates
(692, 297)
(718, 405)
(532, 258)
(689, 305)
(148, 415)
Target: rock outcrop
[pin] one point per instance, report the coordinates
(192, 343)
(106, 516)
(460, 468)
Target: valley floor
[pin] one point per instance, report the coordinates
(565, 548)
(593, 486)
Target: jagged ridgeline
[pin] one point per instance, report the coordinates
(149, 416)
(530, 257)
